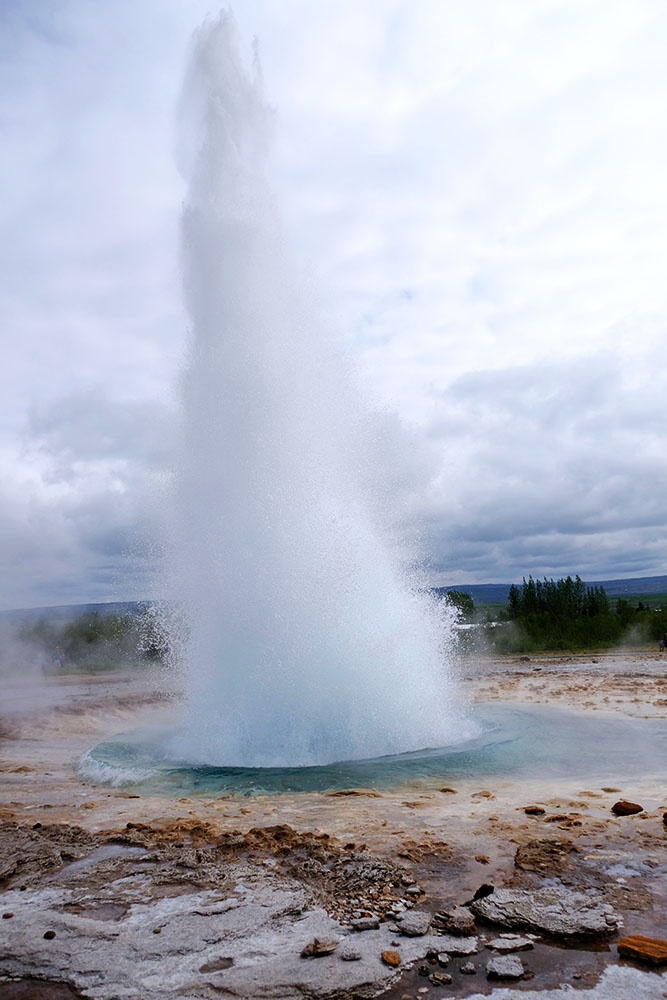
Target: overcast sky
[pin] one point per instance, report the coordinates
(476, 191)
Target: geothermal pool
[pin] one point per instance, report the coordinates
(528, 741)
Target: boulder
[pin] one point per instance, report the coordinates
(415, 924)
(644, 949)
(554, 909)
(458, 921)
(625, 808)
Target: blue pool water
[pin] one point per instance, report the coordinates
(512, 741)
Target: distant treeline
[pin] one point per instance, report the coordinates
(568, 614)
(94, 641)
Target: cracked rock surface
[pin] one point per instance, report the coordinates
(118, 920)
(555, 910)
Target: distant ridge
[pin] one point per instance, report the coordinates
(493, 593)
(67, 612)
(483, 593)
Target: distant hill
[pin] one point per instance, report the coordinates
(494, 593)
(481, 593)
(68, 612)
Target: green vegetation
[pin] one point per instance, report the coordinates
(462, 601)
(94, 641)
(566, 614)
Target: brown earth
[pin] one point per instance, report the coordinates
(354, 852)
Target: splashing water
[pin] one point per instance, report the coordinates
(306, 641)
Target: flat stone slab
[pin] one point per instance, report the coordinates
(454, 945)
(555, 909)
(509, 944)
(414, 924)
(244, 940)
(504, 967)
(644, 949)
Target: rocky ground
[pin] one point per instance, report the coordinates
(107, 893)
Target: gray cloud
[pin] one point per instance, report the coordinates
(553, 468)
(477, 194)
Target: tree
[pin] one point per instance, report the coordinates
(561, 614)
(462, 601)
(514, 602)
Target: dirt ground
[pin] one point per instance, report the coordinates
(345, 852)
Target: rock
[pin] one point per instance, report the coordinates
(448, 791)
(365, 924)
(452, 945)
(320, 946)
(504, 967)
(468, 969)
(440, 978)
(415, 924)
(510, 944)
(349, 953)
(391, 958)
(442, 959)
(413, 890)
(644, 949)
(625, 808)
(216, 965)
(485, 889)
(349, 792)
(554, 909)
(261, 921)
(482, 859)
(7, 916)
(49, 935)
(459, 920)
(534, 810)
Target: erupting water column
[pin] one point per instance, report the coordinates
(304, 641)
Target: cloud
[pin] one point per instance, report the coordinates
(80, 501)
(552, 468)
(475, 196)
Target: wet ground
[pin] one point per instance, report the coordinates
(109, 856)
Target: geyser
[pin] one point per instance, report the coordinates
(301, 637)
